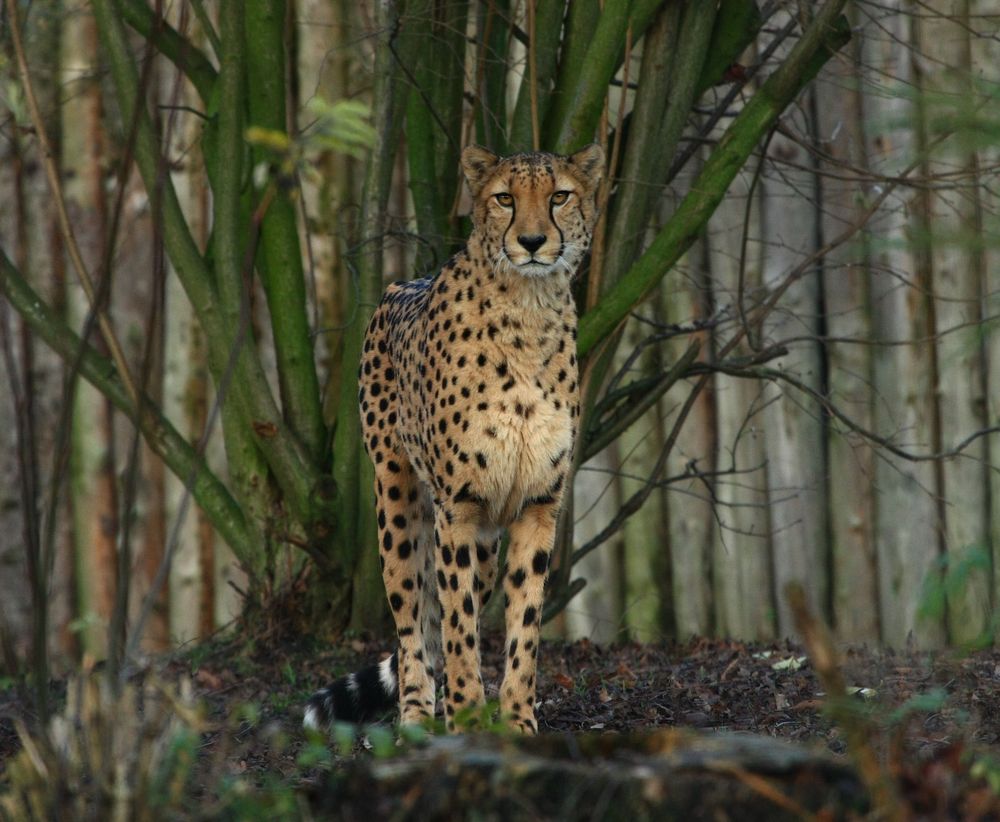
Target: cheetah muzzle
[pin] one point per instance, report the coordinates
(469, 406)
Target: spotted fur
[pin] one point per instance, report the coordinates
(469, 405)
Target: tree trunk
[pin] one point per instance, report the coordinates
(94, 484)
(356, 544)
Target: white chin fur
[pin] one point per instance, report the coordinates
(536, 269)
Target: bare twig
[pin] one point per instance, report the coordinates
(768, 790)
(622, 419)
(776, 375)
(819, 644)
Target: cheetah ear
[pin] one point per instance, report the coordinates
(477, 163)
(589, 160)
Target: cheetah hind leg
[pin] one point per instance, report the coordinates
(405, 679)
(405, 523)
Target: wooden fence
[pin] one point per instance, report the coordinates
(885, 351)
(819, 471)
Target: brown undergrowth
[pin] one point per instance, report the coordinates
(218, 724)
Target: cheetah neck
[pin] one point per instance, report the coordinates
(504, 286)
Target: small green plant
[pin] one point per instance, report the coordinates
(947, 579)
(382, 740)
(486, 717)
(315, 753)
(987, 768)
(928, 702)
(281, 702)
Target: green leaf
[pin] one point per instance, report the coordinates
(344, 126)
(270, 139)
(343, 736)
(382, 741)
(927, 702)
(315, 754)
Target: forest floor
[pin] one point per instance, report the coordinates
(934, 718)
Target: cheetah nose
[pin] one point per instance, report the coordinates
(531, 242)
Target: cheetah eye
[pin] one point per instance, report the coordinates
(505, 199)
(560, 197)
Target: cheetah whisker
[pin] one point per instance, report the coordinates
(502, 262)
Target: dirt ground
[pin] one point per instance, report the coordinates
(934, 717)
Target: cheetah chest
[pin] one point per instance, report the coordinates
(522, 446)
(496, 424)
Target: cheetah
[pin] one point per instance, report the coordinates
(469, 405)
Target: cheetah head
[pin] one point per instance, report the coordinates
(534, 213)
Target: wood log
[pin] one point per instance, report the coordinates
(659, 775)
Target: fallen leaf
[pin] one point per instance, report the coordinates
(208, 679)
(563, 681)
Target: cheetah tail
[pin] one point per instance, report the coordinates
(360, 697)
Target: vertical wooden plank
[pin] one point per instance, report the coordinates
(741, 555)
(793, 421)
(906, 513)
(595, 613)
(986, 63)
(686, 297)
(954, 219)
(647, 549)
(840, 114)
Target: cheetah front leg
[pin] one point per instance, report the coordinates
(404, 554)
(455, 533)
(532, 536)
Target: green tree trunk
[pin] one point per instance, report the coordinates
(356, 531)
